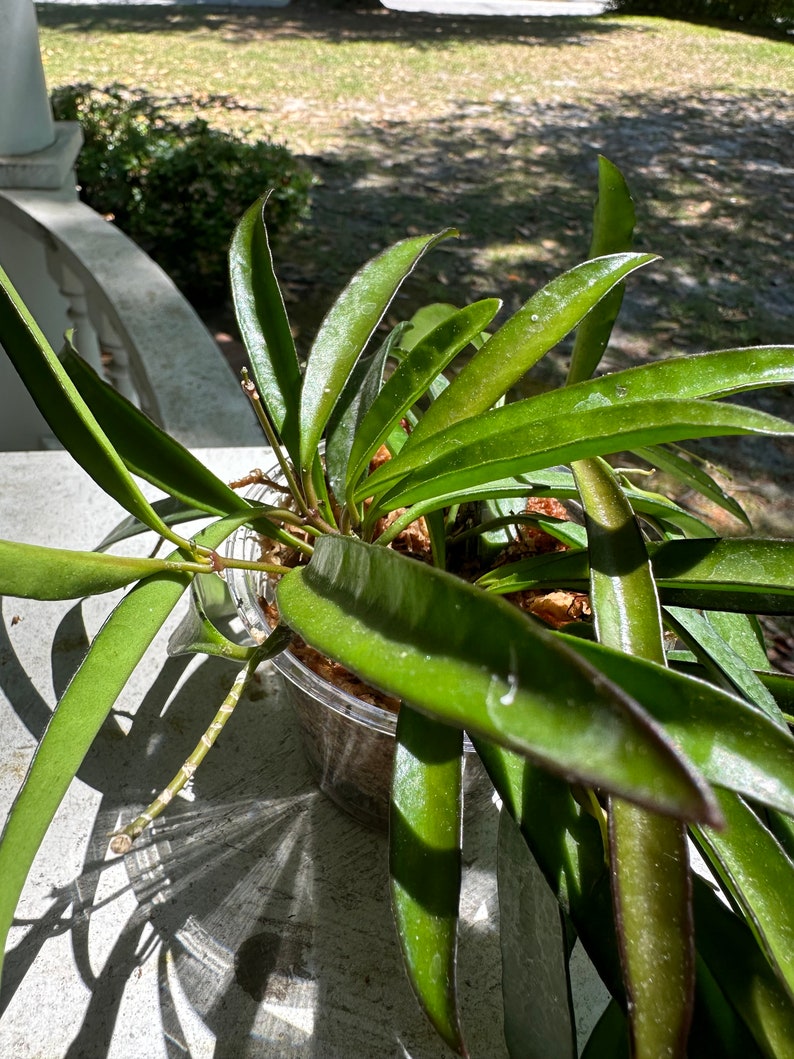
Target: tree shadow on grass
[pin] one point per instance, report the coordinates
(709, 174)
(323, 21)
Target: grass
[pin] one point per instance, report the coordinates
(306, 82)
(413, 123)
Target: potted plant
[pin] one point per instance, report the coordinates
(613, 756)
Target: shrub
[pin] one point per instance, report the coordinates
(759, 12)
(177, 187)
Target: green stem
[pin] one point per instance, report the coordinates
(251, 392)
(122, 841)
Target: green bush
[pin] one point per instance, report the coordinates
(177, 187)
(758, 12)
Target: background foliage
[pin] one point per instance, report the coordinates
(177, 187)
(762, 12)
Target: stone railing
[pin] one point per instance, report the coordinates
(76, 270)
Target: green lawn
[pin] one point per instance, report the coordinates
(311, 74)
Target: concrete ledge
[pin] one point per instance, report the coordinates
(47, 169)
(176, 367)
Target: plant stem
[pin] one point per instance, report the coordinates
(122, 841)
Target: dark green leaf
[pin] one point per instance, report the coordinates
(354, 402)
(146, 449)
(491, 447)
(696, 630)
(425, 862)
(410, 380)
(59, 402)
(345, 332)
(759, 876)
(263, 323)
(741, 971)
(613, 230)
(476, 662)
(741, 574)
(535, 987)
(755, 753)
(693, 476)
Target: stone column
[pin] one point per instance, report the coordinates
(26, 123)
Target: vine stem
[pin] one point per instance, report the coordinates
(122, 841)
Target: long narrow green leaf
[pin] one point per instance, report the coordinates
(346, 330)
(65, 410)
(566, 842)
(742, 972)
(694, 476)
(529, 334)
(707, 375)
(35, 572)
(479, 451)
(263, 323)
(116, 650)
(759, 876)
(536, 988)
(425, 863)
(756, 753)
(742, 574)
(145, 448)
(360, 390)
(613, 230)
(410, 380)
(476, 662)
(649, 854)
(695, 629)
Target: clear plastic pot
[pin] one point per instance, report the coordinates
(349, 743)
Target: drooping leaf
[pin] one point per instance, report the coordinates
(742, 972)
(69, 417)
(759, 876)
(536, 989)
(567, 844)
(613, 230)
(114, 653)
(529, 334)
(32, 571)
(756, 754)
(425, 863)
(345, 332)
(264, 327)
(145, 448)
(476, 662)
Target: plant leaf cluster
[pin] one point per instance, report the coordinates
(612, 756)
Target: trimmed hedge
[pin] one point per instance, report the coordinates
(778, 13)
(178, 188)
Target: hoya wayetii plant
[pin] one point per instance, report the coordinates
(613, 756)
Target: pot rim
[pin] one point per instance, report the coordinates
(248, 588)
